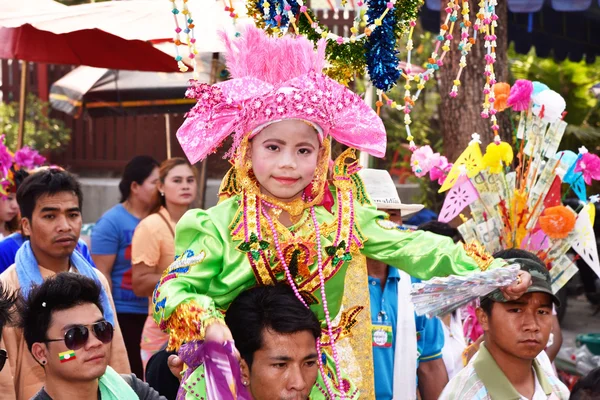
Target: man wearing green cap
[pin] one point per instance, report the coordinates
(515, 333)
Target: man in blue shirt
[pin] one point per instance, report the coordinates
(386, 287)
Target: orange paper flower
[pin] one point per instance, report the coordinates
(557, 222)
(501, 92)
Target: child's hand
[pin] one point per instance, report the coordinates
(217, 332)
(516, 290)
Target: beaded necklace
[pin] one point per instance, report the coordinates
(247, 227)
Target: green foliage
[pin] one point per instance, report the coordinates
(41, 132)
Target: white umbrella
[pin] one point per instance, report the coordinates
(150, 20)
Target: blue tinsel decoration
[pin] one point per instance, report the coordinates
(380, 47)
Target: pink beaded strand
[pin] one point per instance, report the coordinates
(324, 299)
(323, 296)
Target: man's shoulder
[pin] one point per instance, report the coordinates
(465, 385)
(9, 278)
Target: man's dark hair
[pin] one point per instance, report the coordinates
(7, 301)
(46, 182)
(588, 387)
(486, 303)
(60, 292)
(275, 308)
(441, 228)
(137, 170)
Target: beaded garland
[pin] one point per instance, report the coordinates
(188, 30)
(486, 23)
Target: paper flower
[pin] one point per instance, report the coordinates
(6, 158)
(520, 95)
(497, 155)
(28, 158)
(423, 160)
(589, 165)
(440, 171)
(557, 222)
(501, 93)
(552, 104)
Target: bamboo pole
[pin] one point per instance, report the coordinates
(22, 99)
(168, 134)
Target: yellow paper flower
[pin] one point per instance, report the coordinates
(497, 155)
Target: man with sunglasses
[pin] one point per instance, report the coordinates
(66, 332)
(50, 202)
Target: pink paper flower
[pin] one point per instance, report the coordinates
(6, 158)
(440, 171)
(422, 160)
(589, 165)
(28, 158)
(520, 94)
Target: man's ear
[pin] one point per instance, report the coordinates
(26, 226)
(245, 372)
(483, 318)
(40, 353)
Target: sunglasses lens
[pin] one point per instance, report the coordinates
(76, 337)
(3, 358)
(104, 331)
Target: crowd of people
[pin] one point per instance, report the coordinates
(66, 338)
(295, 286)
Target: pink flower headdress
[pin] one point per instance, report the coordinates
(274, 79)
(24, 159)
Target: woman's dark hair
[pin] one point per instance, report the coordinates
(60, 292)
(275, 308)
(14, 224)
(138, 169)
(48, 181)
(166, 167)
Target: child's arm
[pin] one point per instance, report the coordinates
(181, 304)
(421, 254)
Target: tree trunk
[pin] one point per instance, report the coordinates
(460, 117)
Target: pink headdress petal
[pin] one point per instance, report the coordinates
(271, 59)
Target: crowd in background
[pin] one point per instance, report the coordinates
(105, 311)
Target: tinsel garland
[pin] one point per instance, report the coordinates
(377, 51)
(380, 49)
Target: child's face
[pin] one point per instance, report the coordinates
(284, 158)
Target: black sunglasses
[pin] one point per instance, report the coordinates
(77, 336)
(3, 357)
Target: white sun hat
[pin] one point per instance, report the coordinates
(383, 193)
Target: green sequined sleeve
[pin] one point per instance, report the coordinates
(423, 255)
(181, 304)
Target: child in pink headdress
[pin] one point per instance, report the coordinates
(276, 223)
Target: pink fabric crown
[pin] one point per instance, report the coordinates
(276, 79)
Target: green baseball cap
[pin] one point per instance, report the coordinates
(540, 279)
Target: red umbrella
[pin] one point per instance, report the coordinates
(91, 47)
